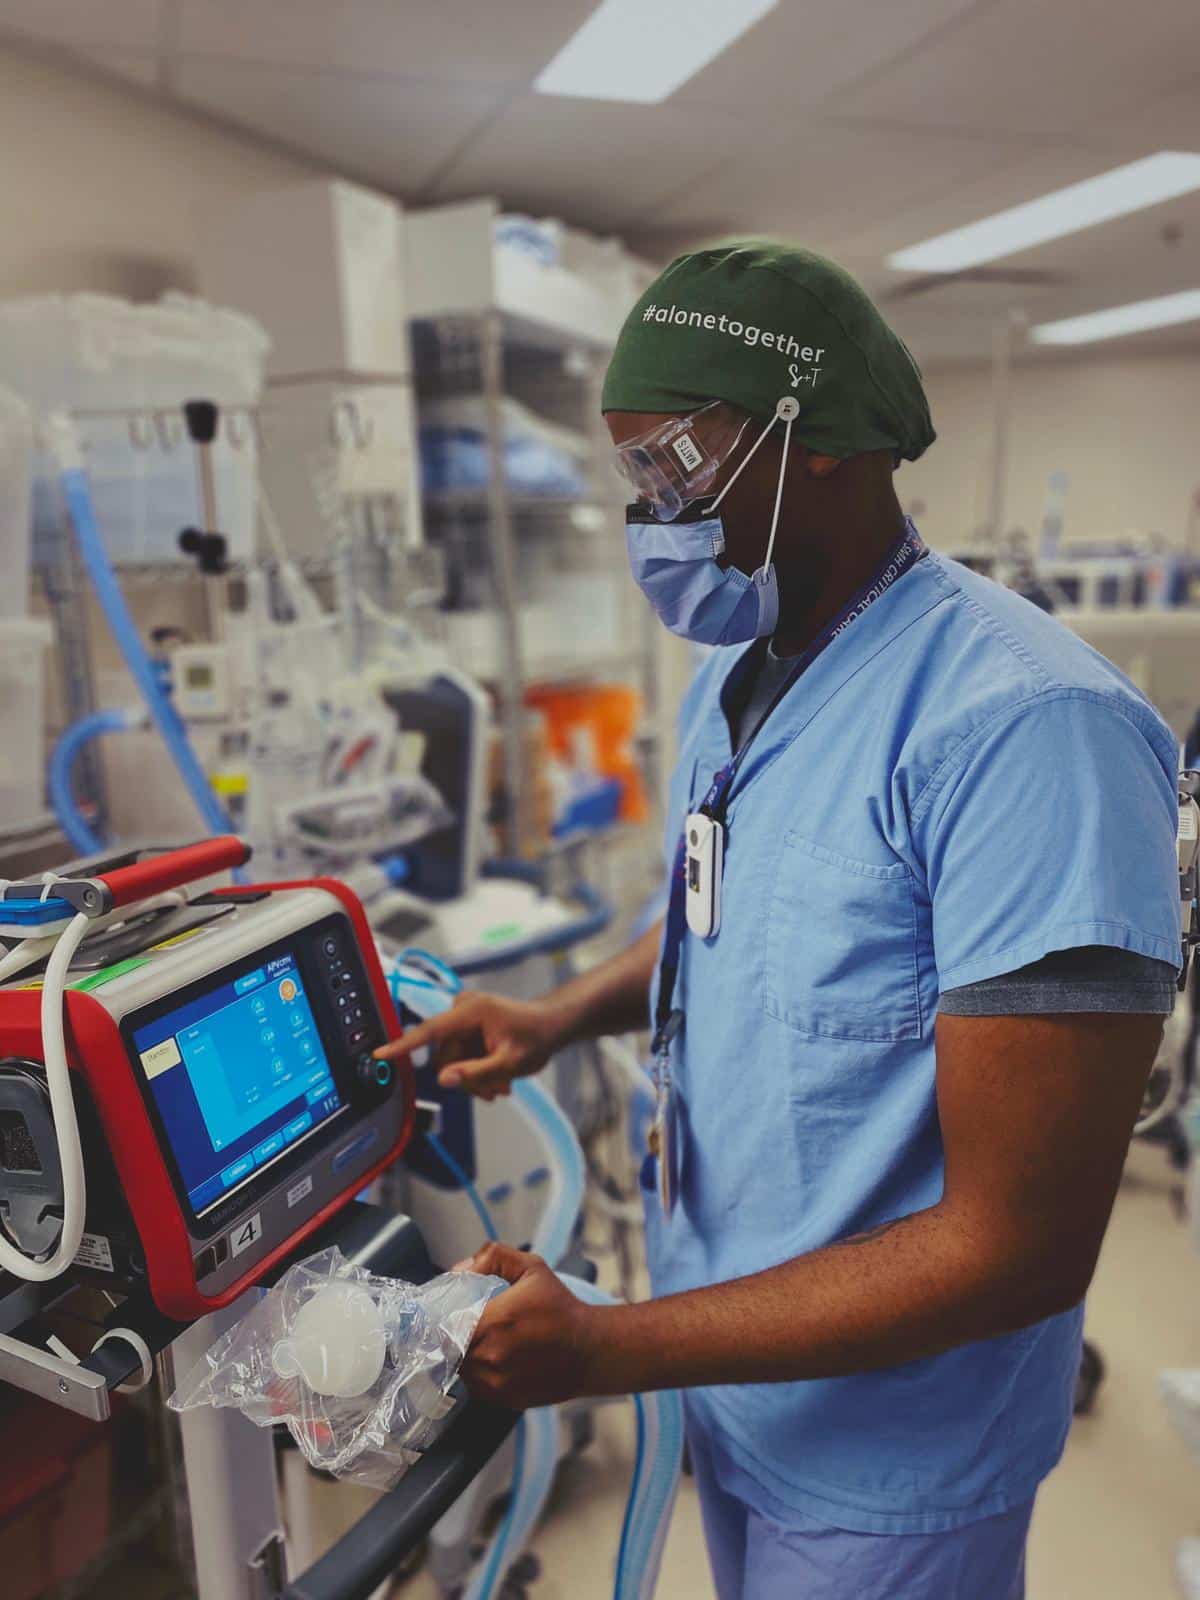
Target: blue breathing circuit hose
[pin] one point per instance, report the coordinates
(422, 986)
(455, 1170)
(82, 837)
(78, 495)
(659, 1416)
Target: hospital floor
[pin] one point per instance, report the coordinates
(1108, 1520)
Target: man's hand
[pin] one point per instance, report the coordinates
(1035, 1115)
(483, 1042)
(533, 1345)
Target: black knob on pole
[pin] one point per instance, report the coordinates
(209, 549)
(201, 417)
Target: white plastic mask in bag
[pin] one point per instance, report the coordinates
(356, 1366)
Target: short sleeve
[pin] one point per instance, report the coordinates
(1088, 978)
(1051, 827)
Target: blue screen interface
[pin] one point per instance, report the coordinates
(239, 1075)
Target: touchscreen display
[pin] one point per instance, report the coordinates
(239, 1076)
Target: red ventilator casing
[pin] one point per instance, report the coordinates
(98, 1053)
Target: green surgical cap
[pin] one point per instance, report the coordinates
(752, 322)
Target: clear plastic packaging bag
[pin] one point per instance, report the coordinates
(357, 1367)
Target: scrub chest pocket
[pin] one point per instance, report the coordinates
(841, 946)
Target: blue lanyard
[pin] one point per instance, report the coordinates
(908, 549)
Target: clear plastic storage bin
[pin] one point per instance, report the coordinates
(23, 645)
(124, 371)
(16, 462)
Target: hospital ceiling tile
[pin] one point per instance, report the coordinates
(450, 41)
(381, 130)
(1020, 173)
(800, 56)
(140, 67)
(830, 173)
(591, 162)
(1169, 120)
(114, 24)
(1035, 67)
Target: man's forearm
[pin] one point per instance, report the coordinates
(909, 1289)
(610, 999)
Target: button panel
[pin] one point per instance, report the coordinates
(353, 1009)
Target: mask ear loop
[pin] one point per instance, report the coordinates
(788, 409)
(746, 460)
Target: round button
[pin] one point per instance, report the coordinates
(330, 945)
(375, 1074)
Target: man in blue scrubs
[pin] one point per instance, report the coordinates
(902, 1050)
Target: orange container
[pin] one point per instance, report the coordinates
(611, 712)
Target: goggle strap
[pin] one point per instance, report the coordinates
(745, 462)
(787, 439)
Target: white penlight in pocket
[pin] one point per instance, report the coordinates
(705, 840)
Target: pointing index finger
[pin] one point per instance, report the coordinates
(431, 1031)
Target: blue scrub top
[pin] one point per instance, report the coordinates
(956, 787)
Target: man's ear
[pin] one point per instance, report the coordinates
(820, 466)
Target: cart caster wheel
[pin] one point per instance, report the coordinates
(1091, 1376)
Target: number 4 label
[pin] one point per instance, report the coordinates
(246, 1233)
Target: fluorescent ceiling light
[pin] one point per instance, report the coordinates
(1136, 317)
(1081, 205)
(642, 50)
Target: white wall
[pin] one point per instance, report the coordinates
(1125, 430)
(103, 188)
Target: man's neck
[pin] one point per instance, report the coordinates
(842, 566)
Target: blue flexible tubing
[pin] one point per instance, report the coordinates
(78, 495)
(655, 1476)
(454, 1168)
(536, 1459)
(639, 1458)
(557, 1222)
(659, 1416)
(536, 1432)
(83, 839)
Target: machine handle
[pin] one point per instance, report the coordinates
(379, 1541)
(173, 868)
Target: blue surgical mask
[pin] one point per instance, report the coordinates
(675, 566)
(674, 563)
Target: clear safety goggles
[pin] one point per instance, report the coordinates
(677, 462)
